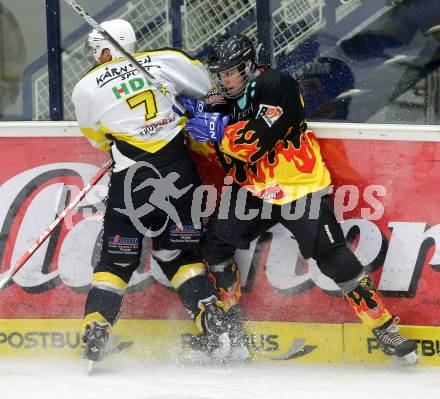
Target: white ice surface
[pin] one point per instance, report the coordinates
(67, 379)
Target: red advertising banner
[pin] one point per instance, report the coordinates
(385, 192)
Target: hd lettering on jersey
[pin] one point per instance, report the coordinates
(132, 86)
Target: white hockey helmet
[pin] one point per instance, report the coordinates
(120, 30)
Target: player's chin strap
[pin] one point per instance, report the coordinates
(159, 86)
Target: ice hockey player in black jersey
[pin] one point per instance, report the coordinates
(255, 119)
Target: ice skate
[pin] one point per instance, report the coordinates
(393, 344)
(214, 343)
(227, 344)
(218, 344)
(95, 338)
(227, 280)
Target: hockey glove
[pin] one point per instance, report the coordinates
(193, 107)
(207, 126)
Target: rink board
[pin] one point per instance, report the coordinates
(288, 302)
(168, 340)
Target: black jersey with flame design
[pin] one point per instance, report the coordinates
(266, 146)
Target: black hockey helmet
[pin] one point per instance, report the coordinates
(230, 52)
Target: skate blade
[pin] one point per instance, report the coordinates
(112, 346)
(90, 366)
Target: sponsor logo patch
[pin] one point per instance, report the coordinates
(269, 113)
(117, 239)
(155, 127)
(123, 245)
(214, 97)
(274, 192)
(184, 233)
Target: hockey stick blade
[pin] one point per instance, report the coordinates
(90, 366)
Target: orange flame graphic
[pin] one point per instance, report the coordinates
(304, 157)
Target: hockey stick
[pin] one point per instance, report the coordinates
(92, 22)
(6, 277)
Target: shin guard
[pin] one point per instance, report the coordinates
(104, 300)
(226, 278)
(363, 298)
(194, 286)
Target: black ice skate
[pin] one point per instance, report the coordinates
(95, 337)
(214, 343)
(393, 344)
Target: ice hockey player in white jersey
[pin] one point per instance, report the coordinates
(115, 104)
(118, 109)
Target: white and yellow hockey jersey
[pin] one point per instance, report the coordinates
(116, 104)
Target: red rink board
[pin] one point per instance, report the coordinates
(400, 246)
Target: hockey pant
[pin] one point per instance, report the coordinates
(176, 250)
